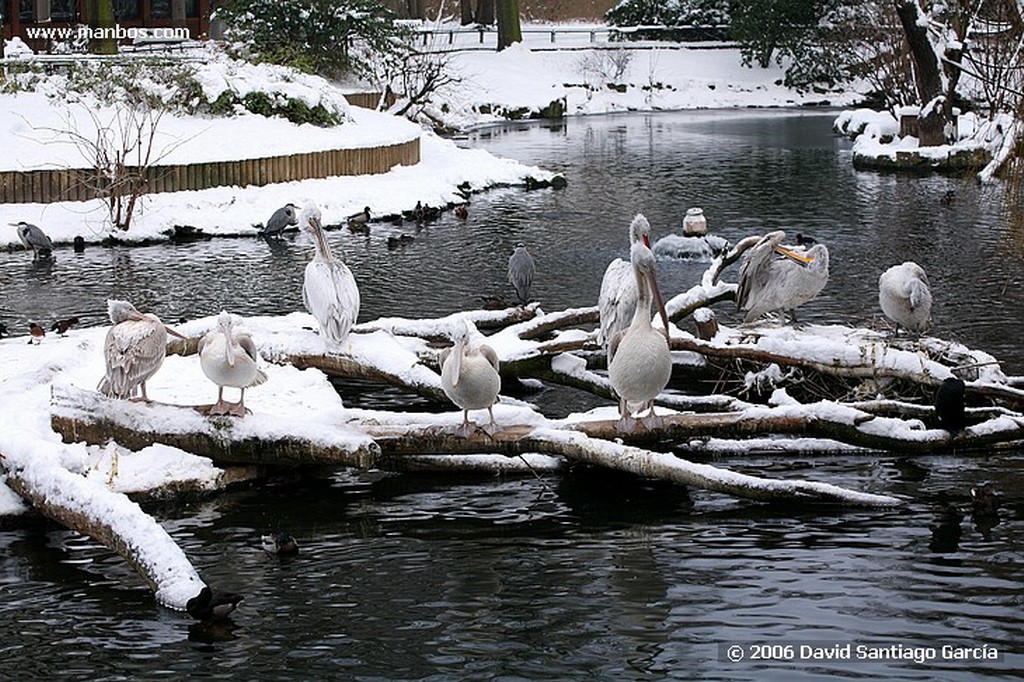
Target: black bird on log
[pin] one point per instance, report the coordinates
(62, 326)
(949, 405)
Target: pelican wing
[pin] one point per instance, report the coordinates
(617, 300)
(133, 351)
(247, 344)
(755, 278)
(331, 295)
(613, 343)
(489, 355)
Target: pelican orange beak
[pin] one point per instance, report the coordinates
(174, 333)
(789, 253)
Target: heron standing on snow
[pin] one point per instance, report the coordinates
(228, 358)
(134, 350)
(329, 291)
(774, 277)
(470, 378)
(283, 217)
(639, 360)
(904, 296)
(521, 270)
(617, 300)
(35, 239)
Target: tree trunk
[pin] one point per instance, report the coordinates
(101, 17)
(415, 9)
(485, 12)
(508, 23)
(927, 75)
(466, 7)
(178, 13)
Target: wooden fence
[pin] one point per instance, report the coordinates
(46, 186)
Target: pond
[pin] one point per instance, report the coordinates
(583, 575)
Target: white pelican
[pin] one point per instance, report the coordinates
(134, 350)
(617, 300)
(470, 379)
(521, 270)
(228, 358)
(329, 290)
(904, 296)
(774, 277)
(639, 361)
(34, 238)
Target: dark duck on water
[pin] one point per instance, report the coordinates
(210, 605)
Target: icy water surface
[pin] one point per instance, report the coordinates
(583, 575)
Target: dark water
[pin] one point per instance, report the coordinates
(583, 575)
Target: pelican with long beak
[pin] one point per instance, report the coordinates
(775, 277)
(329, 291)
(228, 358)
(640, 364)
(470, 378)
(134, 350)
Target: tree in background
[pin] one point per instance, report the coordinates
(327, 37)
(485, 12)
(509, 31)
(466, 12)
(683, 13)
(101, 18)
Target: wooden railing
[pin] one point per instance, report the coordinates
(46, 186)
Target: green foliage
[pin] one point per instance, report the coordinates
(669, 13)
(315, 36)
(812, 37)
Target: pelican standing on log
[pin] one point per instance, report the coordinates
(617, 301)
(470, 378)
(639, 360)
(521, 270)
(35, 239)
(228, 358)
(774, 277)
(329, 290)
(134, 350)
(904, 296)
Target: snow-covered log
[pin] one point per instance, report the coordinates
(86, 416)
(35, 471)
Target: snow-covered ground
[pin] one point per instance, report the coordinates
(525, 77)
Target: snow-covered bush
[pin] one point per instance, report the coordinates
(668, 14)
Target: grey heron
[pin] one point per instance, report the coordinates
(228, 358)
(35, 239)
(639, 361)
(617, 300)
(774, 277)
(134, 350)
(904, 296)
(470, 378)
(521, 270)
(282, 218)
(329, 290)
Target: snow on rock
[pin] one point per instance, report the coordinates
(701, 249)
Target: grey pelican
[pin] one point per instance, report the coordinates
(617, 300)
(774, 277)
(469, 377)
(904, 296)
(34, 238)
(228, 358)
(134, 350)
(329, 290)
(520, 272)
(639, 361)
(282, 218)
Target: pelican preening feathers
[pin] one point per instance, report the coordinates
(228, 358)
(639, 361)
(904, 296)
(329, 290)
(774, 277)
(134, 350)
(470, 378)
